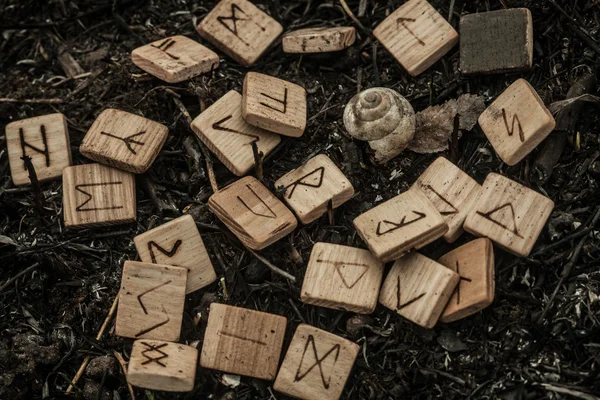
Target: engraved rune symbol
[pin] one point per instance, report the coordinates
(453, 210)
(89, 196)
(169, 253)
(318, 361)
(397, 225)
(305, 181)
(282, 102)
(157, 348)
(267, 213)
(234, 336)
(164, 46)
(128, 140)
(402, 22)
(488, 215)
(399, 304)
(24, 144)
(219, 127)
(511, 130)
(339, 265)
(462, 278)
(158, 325)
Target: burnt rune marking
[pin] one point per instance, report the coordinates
(444, 213)
(462, 278)
(139, 297)
(282, 102)
(155, 326)
(318, 361)
(164, 46)
(157, 348)
(402, 22)
(300, 181)
(128, 140)
(234, 18)
(397, 225)
(168, 253)
(219, 127)
(488, 215)
(338, 267)
(233, 335)
(511, 130)
(399, 304)
(89, 196)
(271, 213)
(24, 144)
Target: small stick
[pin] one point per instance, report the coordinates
(271, 266)
(17, 276)
(33, 101)
(37, 190)
(353, 17)
(259, 156)
(330, 212)
(119, 358)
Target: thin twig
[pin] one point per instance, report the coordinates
(123, 363)
(17, 276)
(33, 101)
(37, 190)
(353, 18)
(273, 268)
(258, 161)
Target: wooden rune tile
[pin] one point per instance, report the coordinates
(516, 122)
(496, 41)
(45, 139)
(241, 341)
(407, 221)
(159, 365)
(223, 130)
(416, 35)
(240, 30)
(97, 195)
(175, 59)
(252, 213)
(510, 214)
(316, 365)
(274, 104)
(342, 277)
(178, 243)
(151, 301)
(310, 188)
(123, 140)
(318, 40)
(474, 262)
(452, 192)
(418, 288)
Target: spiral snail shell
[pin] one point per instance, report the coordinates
(382, 117)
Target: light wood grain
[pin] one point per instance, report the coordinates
(318, 40)
(516, 122)
(175, 59)
(252, 213)
(407, 221)
(309, 188)
(223, 130)
(316, 365)
(242, 341)
(46, 140)
(452, 192)
(159, 365)
(342, 277)
(124, 140)
(151, 301)
(240, 30)
(510, 214)
(97, 195)
(178, 243)
(274, 104)
(418, 288)
(416, 35)
(474, 262)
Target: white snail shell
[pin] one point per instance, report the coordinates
(382, 117)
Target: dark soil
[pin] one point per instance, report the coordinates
(50, 315)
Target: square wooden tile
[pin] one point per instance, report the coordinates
(342, 277)
(510, 214)
(178, 243)
(516, 122)
(496, 41)
(223, 130)
(46, 140)
(252, 213)
(416, 35)
(318, 40)
(316, 365)
(241, 341)
(175, 59)
(418, 288)
(159, 365)
(474, 262)
(309, 188)
(151, 301)
(407, 221)
(240, 30)
(452, 192)
(123, 140)
(274, 104)
(97, 195)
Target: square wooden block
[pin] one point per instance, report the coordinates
(240, 30)
(159, 365)
(46, 140)
(175, 59)
(178, 243)
(416, 35)
(516, 122)
(252, 213)
(310, 188)
(151, 301)
(316, 365)
(241, 341)
(97, 195)
(418, 288)
(474, 262)
(123, 140)
(223, 130)
(510, 214)
(318, 40)
(407, 221)
(342, 277)
(496, 41)
(452, 192)
(274, 104)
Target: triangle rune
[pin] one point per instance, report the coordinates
(510, 226)
(397, 225)
(447, 208)
(348, 279)
(318, 361)
(313, 179)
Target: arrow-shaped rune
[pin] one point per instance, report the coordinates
(398, 225)
(128, 140)
(219, 127)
